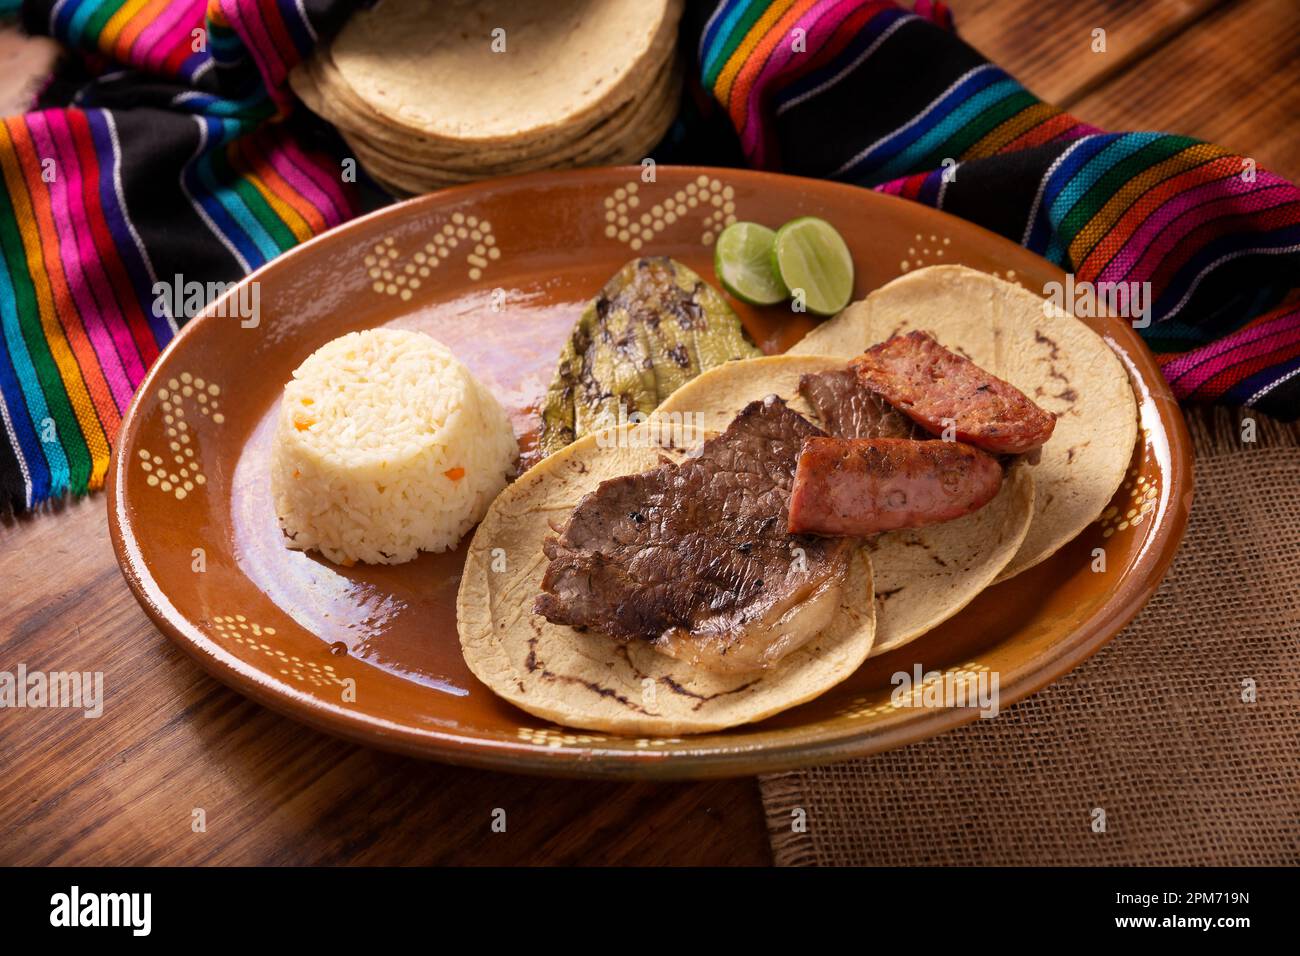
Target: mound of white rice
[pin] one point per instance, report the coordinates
(386, 445)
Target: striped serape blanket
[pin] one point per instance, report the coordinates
(169, 144)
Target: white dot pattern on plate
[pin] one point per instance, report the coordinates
(1142, 492)
(706, 202)
(178, 471)
(390, 274)
(556, 737)
(240, 630)
(924, 250)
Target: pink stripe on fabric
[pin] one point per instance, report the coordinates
(810, 21)
(1156, 228)
(176, 20)
(1202, 376)
(297, 178)
(332, 186)
(1232, 350)
(1163, 214)
(1078, 131)
(261, 47)
(1176, 229)
(99, 329)
(92, 263)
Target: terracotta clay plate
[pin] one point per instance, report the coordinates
(499, 272)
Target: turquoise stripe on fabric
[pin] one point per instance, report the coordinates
(1096, 167)
(229, 197)
(37, 410)
(951, 124)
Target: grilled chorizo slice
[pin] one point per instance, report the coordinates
(937, 388)
(862, 486)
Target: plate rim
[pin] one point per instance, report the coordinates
(1127, 598)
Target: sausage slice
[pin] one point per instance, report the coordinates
(861, 486)
(936, 388)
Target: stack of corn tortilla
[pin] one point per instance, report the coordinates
(428, 95)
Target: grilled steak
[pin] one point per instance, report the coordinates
(934, 387)
(848, 409)
(695, 557)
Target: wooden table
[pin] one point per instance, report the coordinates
(123, 788)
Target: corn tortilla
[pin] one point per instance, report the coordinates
(585, 679)
(1052, 357)
(434, 67)
(923, 576)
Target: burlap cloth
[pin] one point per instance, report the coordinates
(1152, 730)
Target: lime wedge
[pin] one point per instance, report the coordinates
(811, 256)
(743, 261)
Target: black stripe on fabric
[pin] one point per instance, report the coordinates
(232, 80)
(901, 78)
(1220, 320)
(1283, 401)
(130, 91)
(13, 490)
(36, 16)
(155, 147)
(328, 16)
(1229, 295)
(1264, 270)
(997, 192)
(64, 82)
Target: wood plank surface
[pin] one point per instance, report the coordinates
(122, 788)
(1049, 46)
(1232, 78)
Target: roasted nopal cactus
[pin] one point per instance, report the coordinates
(654, 326)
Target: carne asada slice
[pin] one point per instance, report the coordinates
(848, 409)
(694, 557)
(935, 387)
(862, 486)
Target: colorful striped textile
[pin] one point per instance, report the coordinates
(870, 93)
(171, 147)
(176, 154)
